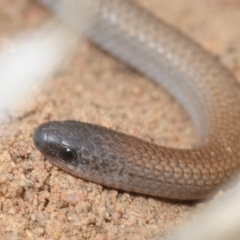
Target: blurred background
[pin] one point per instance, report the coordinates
(48, 71)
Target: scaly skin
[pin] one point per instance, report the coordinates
(196, 79)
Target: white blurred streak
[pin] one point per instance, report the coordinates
(219, 221)
(32, 58)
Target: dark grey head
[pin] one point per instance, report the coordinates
(56, 141)
(81, 149)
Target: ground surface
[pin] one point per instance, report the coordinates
(39, 201)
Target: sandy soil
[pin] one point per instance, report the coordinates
(39, 201)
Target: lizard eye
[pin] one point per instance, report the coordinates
(67, 155)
